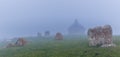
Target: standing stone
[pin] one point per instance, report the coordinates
(59, 36)
(39, 34)
(47, 33)
(100, 36)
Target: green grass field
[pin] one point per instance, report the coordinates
(69, 47)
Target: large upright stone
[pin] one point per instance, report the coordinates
(100, 36)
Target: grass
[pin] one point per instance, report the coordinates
(69, 47)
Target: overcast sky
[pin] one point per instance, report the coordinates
(27, 17)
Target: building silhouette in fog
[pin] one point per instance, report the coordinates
(76, 28)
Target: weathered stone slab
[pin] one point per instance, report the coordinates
(100, 36)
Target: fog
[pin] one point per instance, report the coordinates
(27, 17)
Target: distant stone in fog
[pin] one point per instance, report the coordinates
(39, 34)
(100, 36)
(47, 33)
(59, 36)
